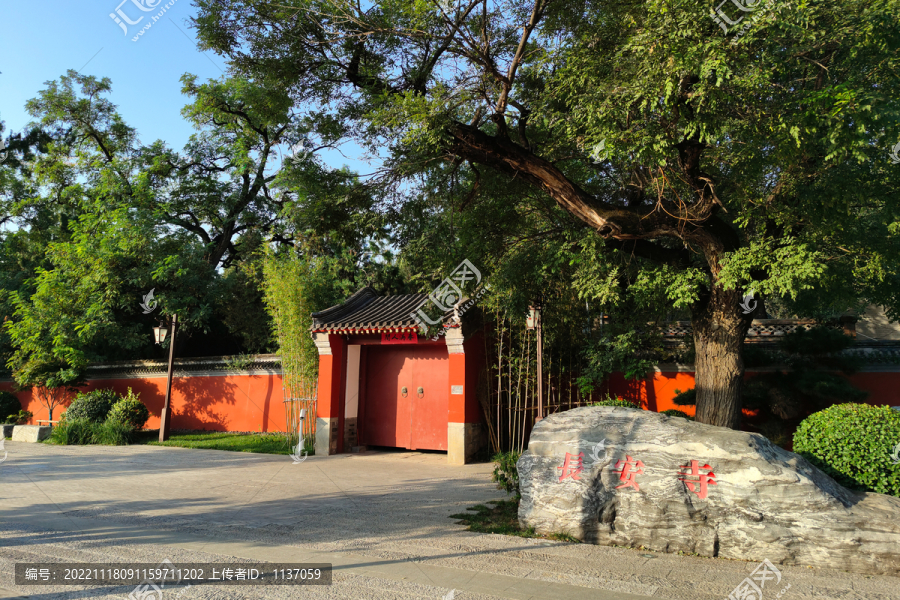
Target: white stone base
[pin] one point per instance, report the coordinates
(30, 433)
(326, 436)
(464, 440)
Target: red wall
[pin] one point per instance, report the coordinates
(254, 402)
(215, 403)
(657, 390)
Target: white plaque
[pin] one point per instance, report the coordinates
(456, 389)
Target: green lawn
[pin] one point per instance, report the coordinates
(502, 518)
(262, 443)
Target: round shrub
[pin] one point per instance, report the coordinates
(853, 444)
(92, 406)
(674, 412)
(9, 405)
(130, 411)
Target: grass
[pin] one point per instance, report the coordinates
(82, 431)
(260, 443)
(503, 518)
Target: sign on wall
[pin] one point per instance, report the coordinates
(400, 337)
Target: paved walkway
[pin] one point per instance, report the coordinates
(380, 518)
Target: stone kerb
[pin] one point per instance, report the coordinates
(30, 433)
(617, 476)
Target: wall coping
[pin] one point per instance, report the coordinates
(203, 366)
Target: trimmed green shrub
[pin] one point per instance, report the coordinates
(853, 444)
(73, 432)
(506, 474)
(20, 418)
(688, 398)
(9, 406)
(82, 431)
(113, 433)
(93, 406)
(130, 411)
(610, 401)
(674, 412)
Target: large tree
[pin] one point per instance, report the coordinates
(721, 161)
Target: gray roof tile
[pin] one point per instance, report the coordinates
(367, 310)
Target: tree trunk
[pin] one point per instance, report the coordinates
(719, 328)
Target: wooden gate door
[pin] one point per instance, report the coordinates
(430, 406)
(414, 420)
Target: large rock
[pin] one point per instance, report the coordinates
(30, 433)
(638, 488)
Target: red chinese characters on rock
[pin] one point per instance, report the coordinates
(628, 470)
(400, 337)
(699, 481)
(571, 468)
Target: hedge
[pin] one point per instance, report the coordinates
(853, 443)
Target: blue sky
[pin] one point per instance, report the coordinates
(40, 41)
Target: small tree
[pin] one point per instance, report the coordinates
(52, 382)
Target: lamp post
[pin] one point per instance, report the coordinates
(534, 322)
(159, 334)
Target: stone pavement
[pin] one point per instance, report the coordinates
(380, 518)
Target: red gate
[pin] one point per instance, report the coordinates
(406, 402)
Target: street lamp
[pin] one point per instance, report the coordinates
(159, 334)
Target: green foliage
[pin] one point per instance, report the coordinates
(617, 401)
(83, 431)
(296, 284)
(93, 406)
(9, 404)
(853, 443)
(241, 362)
(811, 380)
(707, 160)
(506, 473)
(73, 432)
(19, 418)
(130, 411)
(687, 398)
(113, 433)
(630, 353)
(295, 287)
(673, 412)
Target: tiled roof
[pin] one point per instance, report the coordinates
(367, 311)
